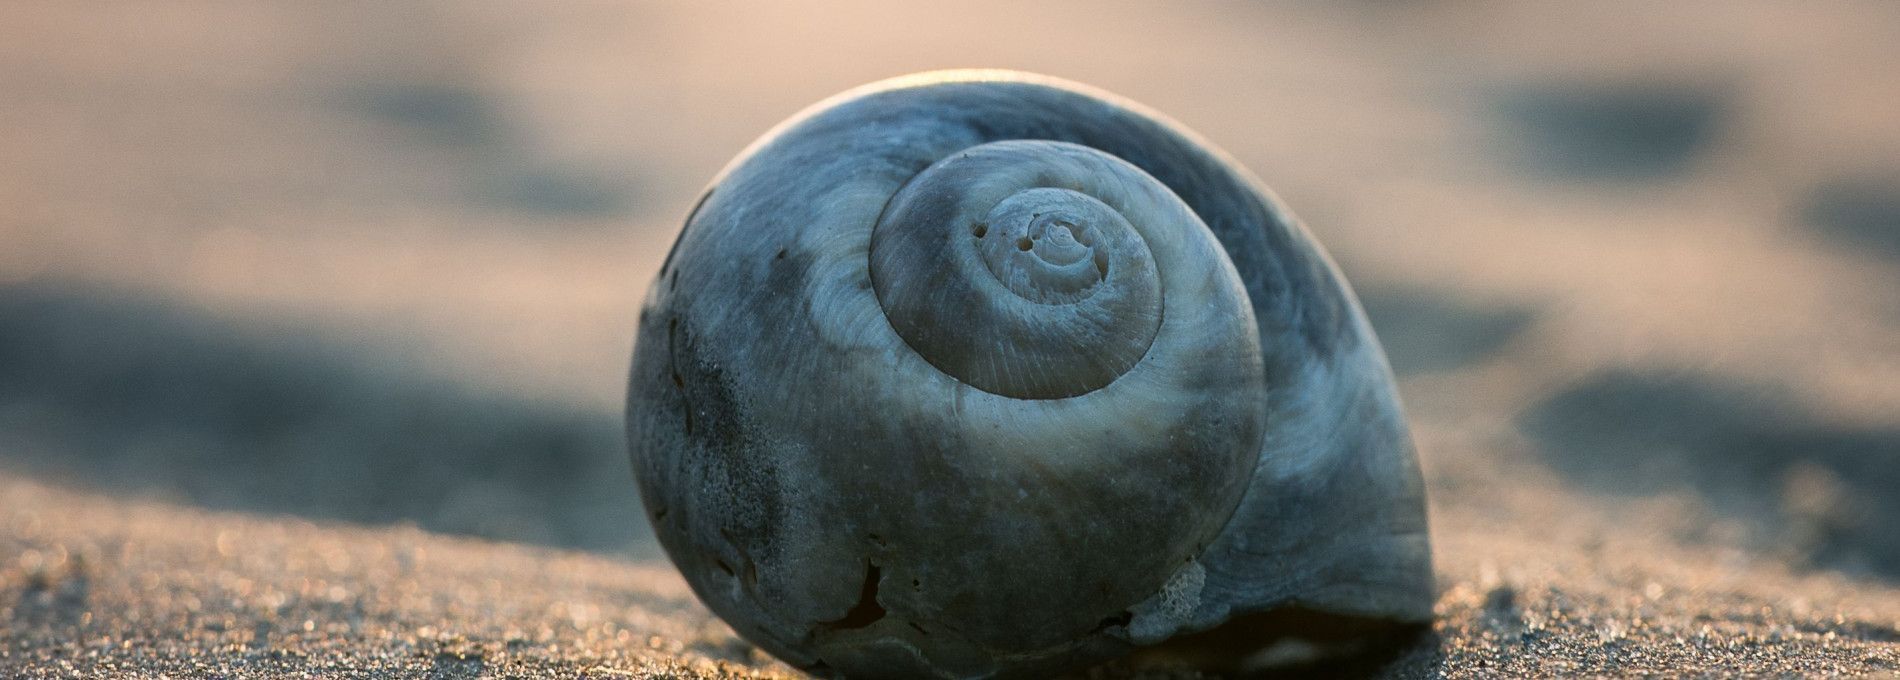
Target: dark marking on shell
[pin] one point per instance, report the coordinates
(867, 611)
(666, 265)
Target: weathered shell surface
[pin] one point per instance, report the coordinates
(986, 374)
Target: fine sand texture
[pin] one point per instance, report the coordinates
(315, 317)
(99, 587)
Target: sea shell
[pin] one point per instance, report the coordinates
(987, 374)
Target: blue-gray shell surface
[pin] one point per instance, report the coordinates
(987, 374)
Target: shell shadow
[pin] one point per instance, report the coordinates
(1821, 493)
(1305, 644)
(115, 393)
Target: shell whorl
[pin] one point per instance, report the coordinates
(1024, 268)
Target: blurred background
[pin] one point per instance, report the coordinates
(1637, 265)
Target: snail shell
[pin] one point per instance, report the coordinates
(977, 374)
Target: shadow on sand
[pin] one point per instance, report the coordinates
(1859, 214)
(504, 171)
(1821, 493)
(1621, 131)
(106, 391)
(1425, 332)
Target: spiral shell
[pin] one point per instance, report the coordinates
(983, 374)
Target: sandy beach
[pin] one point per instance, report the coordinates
(315, 319)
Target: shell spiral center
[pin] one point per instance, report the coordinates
(1049, 247)
(1015, 268)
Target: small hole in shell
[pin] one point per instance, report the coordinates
(1122, 619)
(1024, 243)
(980, 230)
